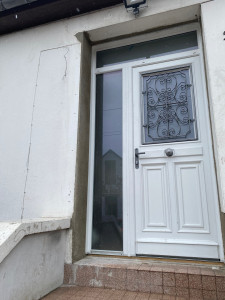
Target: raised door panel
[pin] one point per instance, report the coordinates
(191, 197)
(155, 198)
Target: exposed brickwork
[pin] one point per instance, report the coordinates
(143, 277)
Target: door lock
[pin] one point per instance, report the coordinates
(137, 158)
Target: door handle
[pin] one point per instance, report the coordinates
(137, 158)
(169, 152)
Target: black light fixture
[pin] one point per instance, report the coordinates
(133, 5)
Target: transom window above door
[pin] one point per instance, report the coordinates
(149, 49)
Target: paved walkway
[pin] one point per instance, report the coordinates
(89, 293)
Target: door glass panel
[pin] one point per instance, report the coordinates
(168, 110)
(168, 45)
(107, 207)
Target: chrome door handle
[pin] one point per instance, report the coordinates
(169, 152)
(137, 158)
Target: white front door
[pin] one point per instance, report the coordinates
(175, 186)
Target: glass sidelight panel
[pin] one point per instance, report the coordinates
(107, 231)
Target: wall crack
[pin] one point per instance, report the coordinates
(30, 139)
(65, 72)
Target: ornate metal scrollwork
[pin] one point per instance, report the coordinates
(168, 111)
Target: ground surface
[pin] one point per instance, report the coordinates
(88, 293)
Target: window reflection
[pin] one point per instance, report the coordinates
(168, 45)
(107, 209)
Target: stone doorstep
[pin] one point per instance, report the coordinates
(190, 280)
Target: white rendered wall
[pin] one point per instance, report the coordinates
(52, 143)
(38, 116)
(213, 23)
(31, 274)
(39, 92)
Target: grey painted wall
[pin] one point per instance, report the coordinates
(81, 181)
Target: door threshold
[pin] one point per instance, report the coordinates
(106, 253)
(179, 258)
(168, 259)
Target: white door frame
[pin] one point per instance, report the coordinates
(128, 145)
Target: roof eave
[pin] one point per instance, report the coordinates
(44, 11)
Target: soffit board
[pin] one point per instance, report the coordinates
(15, 15)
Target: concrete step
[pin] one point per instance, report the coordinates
(93, 293)
(191, 280)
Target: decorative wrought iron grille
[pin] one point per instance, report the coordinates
(168, 107)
